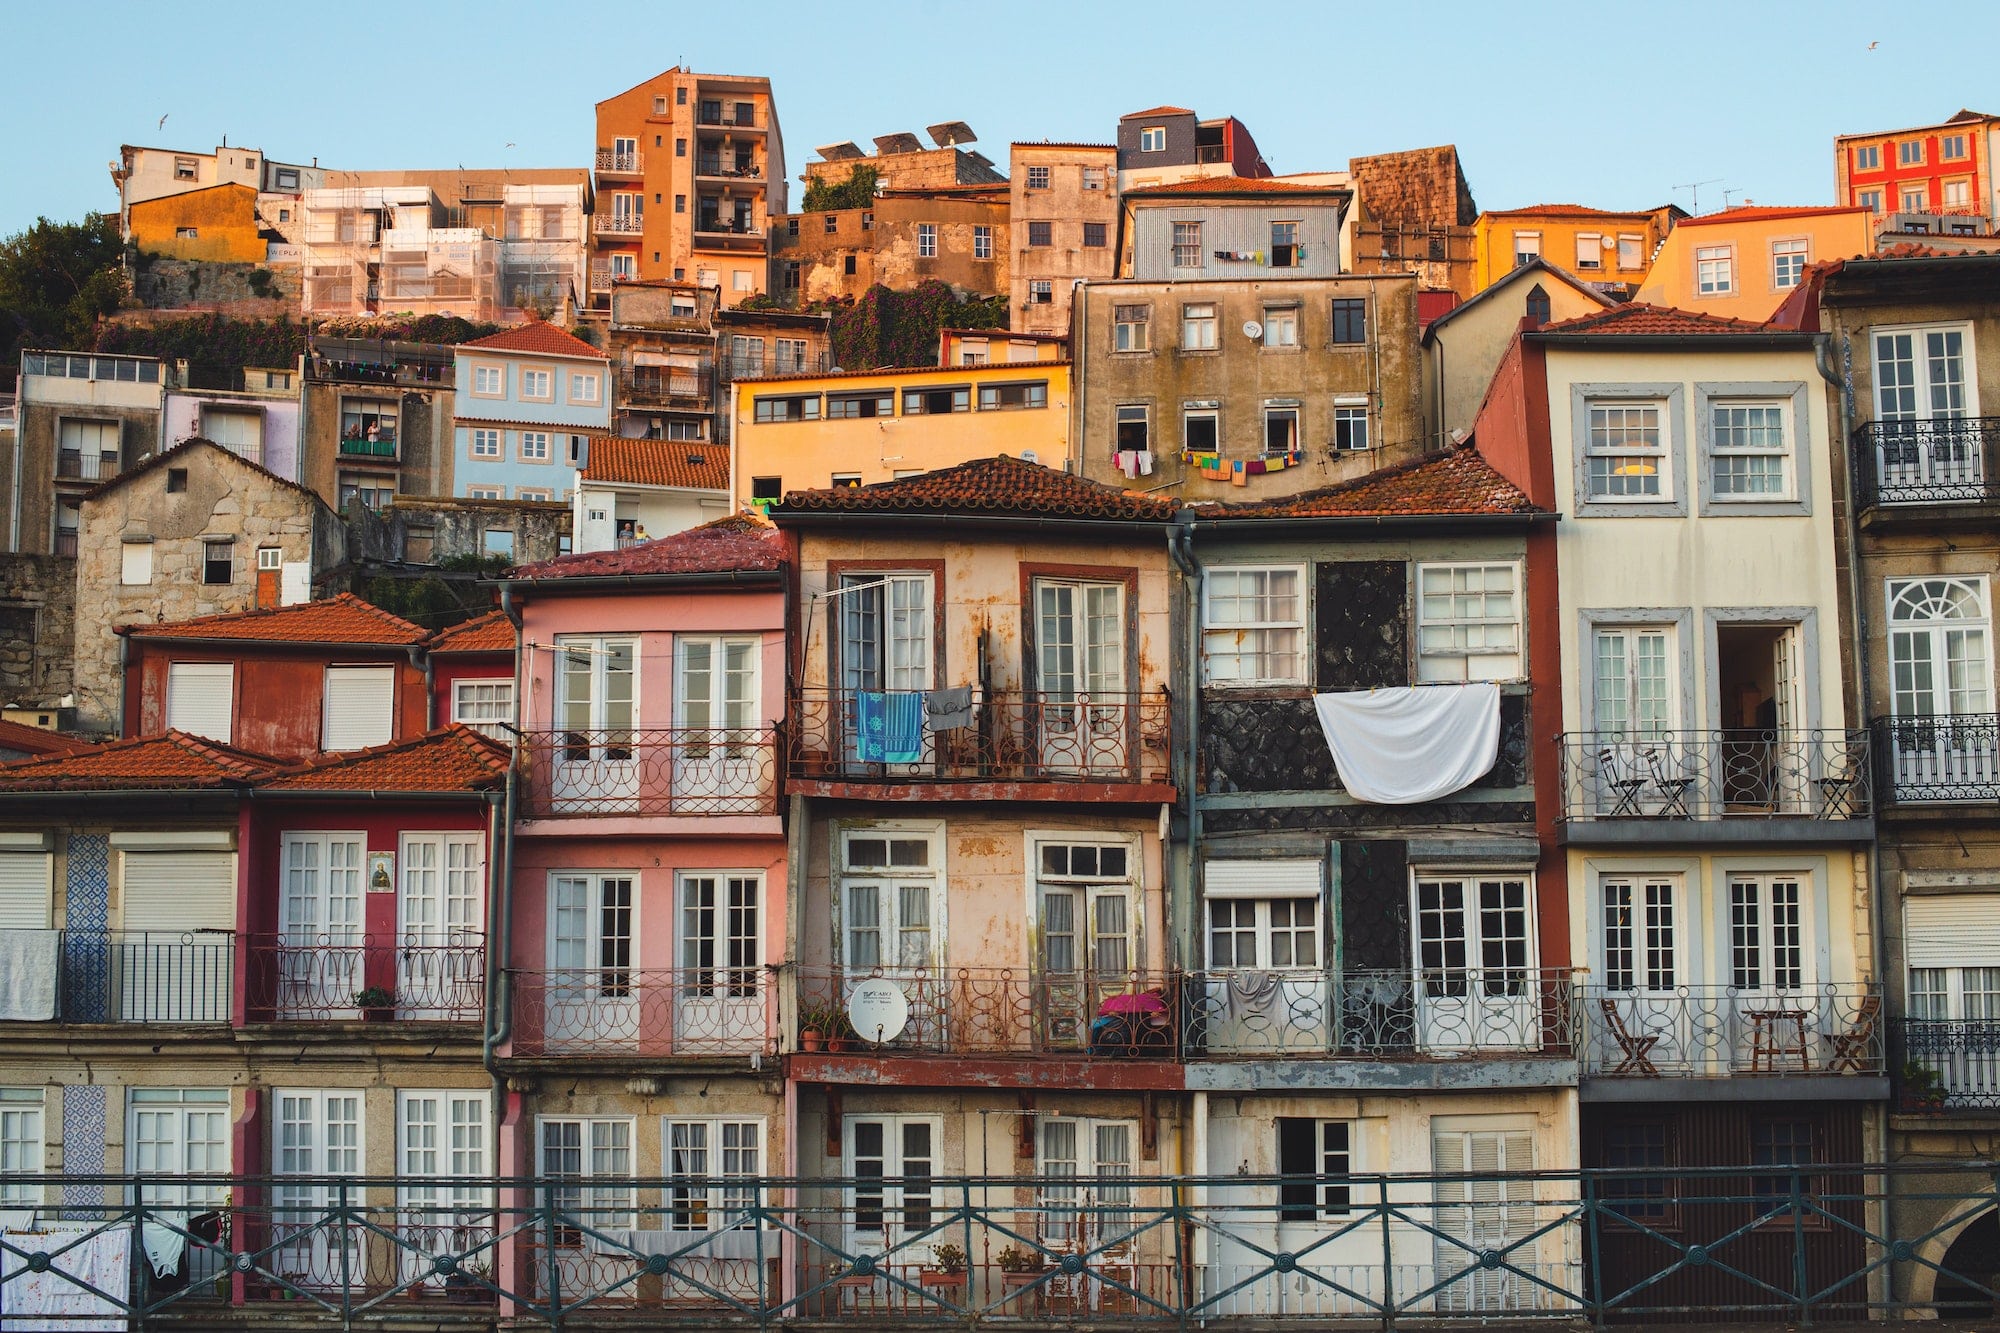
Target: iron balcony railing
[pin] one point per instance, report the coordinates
(1112, 1248)
(760, 365)
(1941, 461)
(1739, 774)
(1108, 1013)
(714, 228)
(351, 977)
(382, 446)
(1005, 736)
(79, 465)
(689, 384)
(171, 978)
(1403, 1013)
(1942, 758)
(618, 224)
(746, 120)
(645, 1012)
(1963, 1054)
(651, 771)
(1723, 1031)
(616, 160)
(726, 170)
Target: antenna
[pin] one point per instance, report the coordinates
(1725, 198)
(1695, 187)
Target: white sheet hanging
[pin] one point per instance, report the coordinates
(53, 1301)
(1407, 745)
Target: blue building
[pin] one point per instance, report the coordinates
(528, 399)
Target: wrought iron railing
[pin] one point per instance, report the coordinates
(1447, 1012)
(170, 978)
(1964, 1054)
(76, 465)
(1802, 1244)
(650, 771)
(667, 384)
(1004, 736)
(618, 224)
(611, 1011)
(352, 977)
(612, 159)
(759, 365)
(1944, 757)
(1835, 1028)
(722, 170)
(1109, 1013)
(383, 446)
(1942, 461)
(1739, 774)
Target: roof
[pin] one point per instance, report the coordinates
(538, 337)
(739, 543)
(1653, 320)
(999, 485)
(1568, 211)
(490, 633)
(1157, 111)
(990, 370)
(174, 761)
(39, 740)
(452, 758)
(1227, 185)
(697, 465)
(1062, 143)
(1511, 277)
(1964, 117)
(343, 619)
(181, 451)
(1459, 481)
(1762, 213)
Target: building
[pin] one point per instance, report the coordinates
(1226, 227)
(860, 427)
(1463, 347)
(689, 169)
(376, 419)
(257, 417)
(1170, 143)
(1715, 795)
(1941, 171)
(1275, 386)
(750, 344)
(1611, 249)
(957, 235)
(662, 343)
(1063, 206)
(900, 162)
(1413, 212)
(472, 675)
(220, 223)
(1743, 262)
(634, 491)
(527, 399)
(81, 419)
(143, 175)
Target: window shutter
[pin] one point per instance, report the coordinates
(136, 563)
(1953, 930)
(179, 891)
(200, 698)
(359, 704)
(1261, 879)
(24, 891)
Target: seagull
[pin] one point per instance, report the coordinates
(1873, 45)
(163, 123)
(510, 145)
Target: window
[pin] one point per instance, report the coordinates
(1263, 934)
(367, 422)
(1038, 178)
(1951, 147)
(1868, 157)
(270, 558)
(867, 221)
(1632, 1146)
(1316, 1158)
(20, 1144)
(1766, 933)
(1131, 328)
(1788, 263)
(1749, 457)
(1093, 178)
(187, 233)
(584, 386)
(927, 240)
(484, 493)
(1474, 939)
(586, 1162)
(1281, 431)
(1714, 270)
(1187, 245)
(360, 703)
(804, 407)
(1589, 251)
(1098, 1152)
(534, 446)
(680, 148)
(201, 698)
(177, 481)
(1281, 326)
(1253, 626)
(1916, 199)
(973, 352)
(936, 402)
(742, 280)
(1468, 622)
(848, 265)
(1631, 252)
(881, 1148)
(847, 480)
(1133, 427)
(1350, 428)
(1350, 320)
(184, 169)
(1781, 1144)
(1093, 235)
(1039, 233)
(1626, 454)
(1198, 328)
(590, 948)
(1084, 893)
(178, 1132)
(489, 380)
(1285, 245)
(1957, 194)
(288, 179)
(1910, 153)
(135, 563)
(854, 406)
(483, 705)
(1633, 697)
(485, 443)
(316, 1132)
(1201, 430)
(1527, 247)
(500, 542)
(537, 384)
(1641, 933)
(767, 488)
(888, 883)
(217, 564)
(1870, 200)
(982, 242)
(1041, 291)
(701, 1157)
(1153, 139)
(1003, 397)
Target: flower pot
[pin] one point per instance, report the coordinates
(938, 1277)
(379, 1014)
(838, 1044)
(812, 1039)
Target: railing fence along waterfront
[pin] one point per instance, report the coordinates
(1765, 1242)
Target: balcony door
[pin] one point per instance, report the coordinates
(1644, 965)
(441, 1147)
(1477, 987)
(1771, 974)
(1079, 717)
(886, 634)
(719, 994)
(891, 1159)
(597, 766)
(317, 1135)
(1766, 764)
(1943, 734)
(891, 926)
(1084, 903)
(1633, 719)
(320, 942)
(1266, 989)
(440, 926)
(1954, 1009)
(1479, 1215)
(1920, 388)
(592, 994)
(719, 765)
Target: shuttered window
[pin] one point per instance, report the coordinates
(179, 891)
(24, 890)
(135, 563)
(359, 703)
(1952, 930)
(1262, 879)
(199, 695)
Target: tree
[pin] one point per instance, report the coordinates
(56, 279)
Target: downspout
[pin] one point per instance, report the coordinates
(1079, 318)
(124, 648)
(1180, 546)
(499, 1006)
(430, 684)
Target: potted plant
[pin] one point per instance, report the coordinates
(1018, 1270)
(376, 1004)
(814, 1026)
(839, 1032)
(949, 1270)
(1922, 1088)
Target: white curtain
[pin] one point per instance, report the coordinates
(1408, 745)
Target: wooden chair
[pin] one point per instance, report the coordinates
(1637, 1047)
(1853, 1049)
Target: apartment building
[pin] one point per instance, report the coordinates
(1940, 171)
(1166, 144)
(958, 235)
(1063, 201)
(376, 419)
(527, 401)
(633, 491)
(80, 419)
(257, 416)
(1215, 227)
(1464, 346)
(1612, 249)
(1743, 262)
(144, 175)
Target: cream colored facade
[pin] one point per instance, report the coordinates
(1076, 196)
(1462, 350)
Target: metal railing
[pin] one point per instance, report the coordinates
(383, 446)
(358, 977)
(651, 771)
(708, 116)
(1113, 1013)
(1739, 774)
(667, 384)
(611, 159)
(1944, 757)
(758, 365)
(76, 465)
(1964, 1053)
(716, 167)
(174, 978)
(618, 224)
(1721, 1031)
(1802, 1244)
(680, 1012)
(713, 227)
(1942, 461)
(1447, 1013)
(1007, 736)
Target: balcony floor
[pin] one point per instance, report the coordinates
(1081, 1072)
(1656, 832)
(1821, 1087)
(1096, 793)
(1483, 1071)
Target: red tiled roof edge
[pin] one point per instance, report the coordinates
(484, 760)
(1461, 475)
(104, 487)
(346, 603)
(999, 486)
(490, 633)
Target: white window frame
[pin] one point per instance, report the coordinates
(1041, 291)
(489, 381)
(1784, 250)
(1281, 327)
(1714, 271)
(1186, 238)
(600, 1206)
(487, 443)
(697, 1173)
(1355, 420)
(1589, 251)
(227, 672)
(586, 387)
(982, 242)
(196, 1142)
(1334, 1157)
(1102, 1180)
(1868, 157)
(483, 705)
(1783, 960)
(1914, 198)
(1216, 632)
(1153, 139)
(535, 446)
(1131, 335)
(1527, 247)
(1924, 388)
(538, 384)
(1642, 942)
(927, 240)
(890, 925)
(1261, 926)
(1786, 453)
(1088, 890)
(1476, 950)
(1626, 452)
(23, 1145)
(485, 492)
(1631, 252)
(1200, 332)
(1456, 656)
(892, 1203)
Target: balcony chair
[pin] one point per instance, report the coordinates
(1637, 1047)
(1854, 1049)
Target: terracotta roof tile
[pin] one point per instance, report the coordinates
(1158, 111)
(452, 758)
(991, 370)
(692, 465)
(39, 741)
(1766, 213)
(340, 619)
(742, 542)
(537, 337)
(174, 761)
(490, 633)
(1638, 318)
(1001, 485)
(1227, 185)
(1568, 211)
(1458, 482)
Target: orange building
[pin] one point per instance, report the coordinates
(689, 170)
(217, 223)
(1743, 262)
(1611, 249)
(1945, 170)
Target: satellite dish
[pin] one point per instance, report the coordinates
(878, 1010)
(1608, 242)
(1252, 329)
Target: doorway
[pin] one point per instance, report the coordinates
(1764, 752)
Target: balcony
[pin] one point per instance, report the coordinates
(79, 465)
(720, 234)
(357, 977)
(1833, 1029)
(650, 772)
(1964, 1053)
(746, 119)
(758, 365)
(668, 386)
(1938, 462)
(618, 224)
(382, 447)
(1678, 785)
(691, 1013)
(1047, 745)
(408, 365)
(1381, 1014)
(614, 162)
(716, 168)
(1939, 760)
(170, 978)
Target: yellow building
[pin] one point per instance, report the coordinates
(854, 428)
(219, 223)
(1598, 245)
(1743, 262)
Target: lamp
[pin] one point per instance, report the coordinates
(1634, 467)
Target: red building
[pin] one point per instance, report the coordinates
(1942, 169)
(472, 674)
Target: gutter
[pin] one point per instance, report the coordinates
(303, 645)
(1180, 546)
(500, 885)
(430, 685)
(641, 582)
(827, 518)
(1288, 524)
(1651, 341)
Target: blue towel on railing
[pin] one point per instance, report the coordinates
(891, 727)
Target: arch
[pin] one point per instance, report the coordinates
(1538, 305)
(1974, 1253)
(1931, 1254)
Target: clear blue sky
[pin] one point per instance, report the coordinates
(1605, 103)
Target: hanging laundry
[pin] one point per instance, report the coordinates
(948, 710)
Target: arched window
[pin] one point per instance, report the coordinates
(1939, 660)
(1538, 306)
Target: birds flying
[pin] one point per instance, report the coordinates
(163, 122)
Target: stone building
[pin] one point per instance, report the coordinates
(957, 234)
(1413, 213)
(376, 420)
(1063, 202)
(37, 613)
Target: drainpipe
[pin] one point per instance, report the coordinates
(124, 648)
(1079, 316)
(1180, 546)
(430, 705)
(499, 1006)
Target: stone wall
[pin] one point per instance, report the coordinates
(185, 285)
(37, 627)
